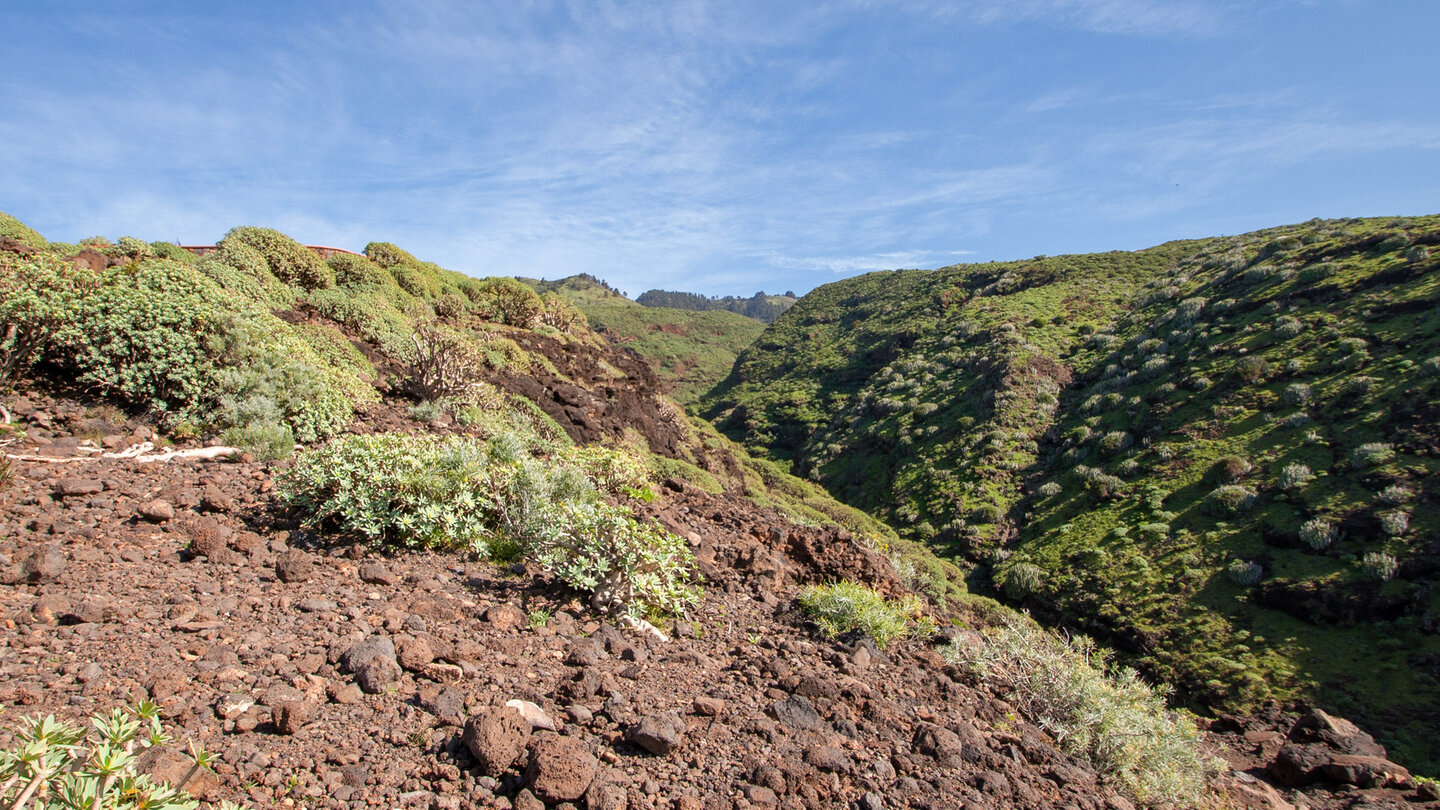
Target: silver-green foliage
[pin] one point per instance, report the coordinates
(1318, 533)
(841, 607)
(498, 496)
(1379, 565)
(53, 765)
(1106, 715)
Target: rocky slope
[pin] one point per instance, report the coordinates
(337, 676)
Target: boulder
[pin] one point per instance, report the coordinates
(561, 768)
(496, 737)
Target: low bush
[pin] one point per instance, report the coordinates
(505, 300)
(1244, 572)
(1021, 580)
(490, 497)
(1379, 565)
(39, 295)
(844, 606)
(1294, 476)
(63, 767)
(1298, 394)
(1318, 533)
(1371, 454)
(1230, 499)
(1395, 522)
(1230, 469)
(1396, 494)
(290, 261)
(1107, 716)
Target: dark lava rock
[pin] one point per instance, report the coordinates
(561, 768)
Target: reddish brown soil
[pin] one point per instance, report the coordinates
(183, 583)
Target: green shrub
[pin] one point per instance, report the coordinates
(39, 296)
(1379, 565)
(458, 492)
(290, 261)
(1230, 469)
(1230, 499)
(1244, 572)
(173, 252)
(1021, 580)
(1293, 476)
(507, 301)
(12, 228)
(59, 766)
(1252, 368)
(1049, 489)
(371, 314)
(1395, 522)
(444, 363)
(1108, 717)
(386, 255)
(1298, 394)
(146, 335)
(268, 375)
(1371, 454)
(845, 606)
(335, 349)
(621, 561)
(267, 441)
(359, 272)
(1318, 533)
(1396, 494)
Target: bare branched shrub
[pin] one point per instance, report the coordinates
(444, 363)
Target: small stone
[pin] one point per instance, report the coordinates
(78, 487)
(232, 706)
(372, 662)
(561, 768)
(157, 511)
(762, 796)
(533, 714)
(295, 566)
(797, 712)
(706, 706)
(579, 713)
(448, 705)
(346, 693)
(43, 565)
(414, 654)
(505, 617)
(871, 801)
(291, 715)
(314, 605)
(525, 800)
(90, 672)
(213, 500)
(376, 574)
(354, 775)
(658, 735)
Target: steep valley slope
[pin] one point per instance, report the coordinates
(1219, 455)
(416, 640)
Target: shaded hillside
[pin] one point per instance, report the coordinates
(691, 351)
(1218, 453)
(761, 307)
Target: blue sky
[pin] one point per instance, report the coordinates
(718, 147)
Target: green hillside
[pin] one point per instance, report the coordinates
(1219, 454)
(761, 307)
(689, 350)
